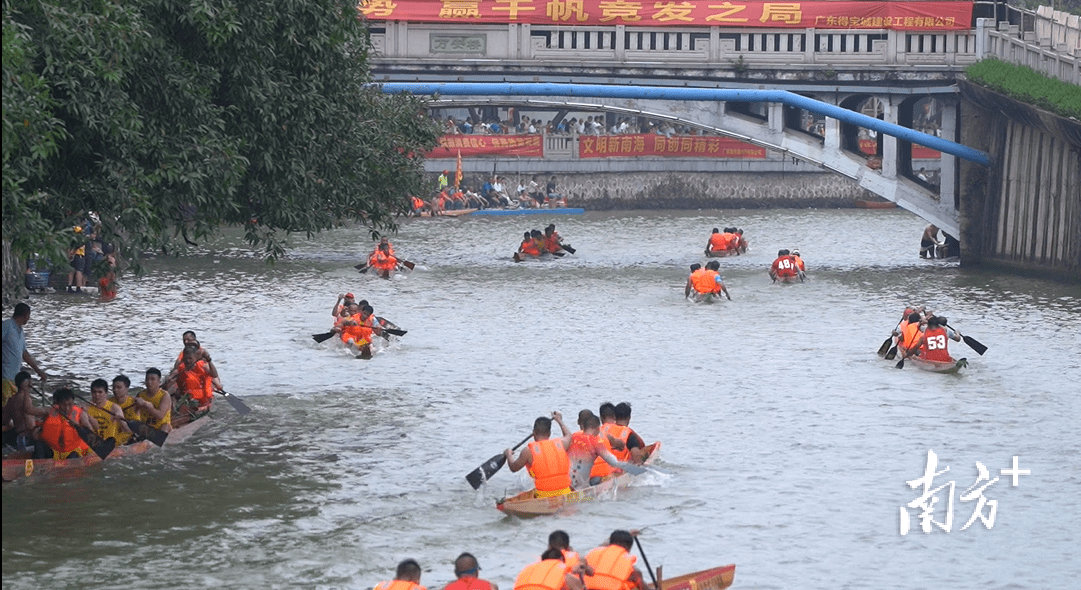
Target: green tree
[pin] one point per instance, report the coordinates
(170, 119)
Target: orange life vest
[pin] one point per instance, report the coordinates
(731, 240)
(717, 242)
(570, 558)
(382, 261)
(360, 334)
(705, 281)
(549, 574)
(61, 436)
(398, 585)
(417, 203)
(530, 247)
(612, 568)
(195, 381)
(601, 468)
(551, 243)
(551, 469)
(910, 336)
(935, 345)
(799, 263)
(469, 583)
(784, 266)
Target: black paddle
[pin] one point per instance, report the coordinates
(362, 267)
(491, 466)
(407, 264)
(646, 562)
(974, 344)
(240, 407)
(568, 248)
(901, 363)
(154, 435)
(892, 354)
(885, 346)
(324, 336)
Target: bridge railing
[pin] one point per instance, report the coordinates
(622, 46)
(1047, 41)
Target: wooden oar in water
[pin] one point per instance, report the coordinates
(646, 563)
(487, 469)
(882, 350)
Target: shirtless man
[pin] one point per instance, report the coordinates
(20, 415)
(583, 448)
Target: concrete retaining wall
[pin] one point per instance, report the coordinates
(1025, 211)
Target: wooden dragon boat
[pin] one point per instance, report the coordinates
(717, 578)
(21, 464)
(724, 253)
(948, 367)
(525, 505)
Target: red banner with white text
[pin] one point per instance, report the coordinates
(681, 146)
(910, 16)
(489, 145)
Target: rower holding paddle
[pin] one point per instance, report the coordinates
(154, 405)
(550, 573)
(58, 432)
(467, 571)
(21, 415)
(546, 459)
(107, 413)
(613, 565)
(193, 381)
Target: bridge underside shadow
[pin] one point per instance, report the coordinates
(773, 124)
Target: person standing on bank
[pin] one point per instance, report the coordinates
(15, 352)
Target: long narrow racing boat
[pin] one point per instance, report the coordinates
(525, 505)
(948, 367)
(717, 578)
(723, 253)
(21, 464)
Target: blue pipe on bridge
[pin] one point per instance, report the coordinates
(704, 94)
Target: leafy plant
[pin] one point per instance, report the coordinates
(1027, 85)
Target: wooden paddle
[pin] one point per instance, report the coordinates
(240, 407)
(101, 448)
(885, 346)
(491, 466)
(154, 435)
(646, 562)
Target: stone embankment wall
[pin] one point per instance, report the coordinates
(708, 190)
(1024, 212)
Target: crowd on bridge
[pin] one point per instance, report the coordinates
(590, 125)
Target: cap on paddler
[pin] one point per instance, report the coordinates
(349, 296)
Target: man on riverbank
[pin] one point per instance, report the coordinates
(14, 350)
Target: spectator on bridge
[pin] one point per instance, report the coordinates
(550, 189)
(451, 128)
(466, 126)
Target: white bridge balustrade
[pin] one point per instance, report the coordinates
(624, 46)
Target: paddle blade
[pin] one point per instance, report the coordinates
(407, 264)
(104, 448)
(900, 364)
(361, 268)
(322, 337)
(631, 468)
(567, 248)
(882, 350)
(517, 258)
(892, 354)
(101, 448)
(975, 345)
(479, 475)
(240, 407)
(154, 435)
(394, 332)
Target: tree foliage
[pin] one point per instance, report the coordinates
(170, 119)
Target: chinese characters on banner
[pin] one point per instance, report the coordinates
(910, 16)
(870, 147)
(930, 499)
(684, 146)
(489, 145)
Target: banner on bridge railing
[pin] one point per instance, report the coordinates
(680, 146)
(911, 16)
(488, 145)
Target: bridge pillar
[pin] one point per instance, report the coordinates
(621, 43)
(890, 106)
(775, 114)
(832, 141)
(948, 164)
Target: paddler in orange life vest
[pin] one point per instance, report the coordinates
(546, 460)
(383, 260)
(584, 447)
(717, 241)
(529, 246)
(933, 346)
(784, 266)
(407, 577)
(342, 302)
(550, 573)
(613, 565)
(107, 413)
(799, 261)
(195, 376)
(467, 570)
(635, 444)
(552, 241)
(58, 433)
(706, 281)
(561, 541)
(614, 437)
(908, 343)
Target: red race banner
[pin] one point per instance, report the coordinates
(909, 16)
(489, 145)
(682, 146)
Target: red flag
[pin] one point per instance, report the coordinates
(458, 172)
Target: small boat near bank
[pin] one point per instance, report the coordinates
(525, 505)
(22, 465)
(542, 211)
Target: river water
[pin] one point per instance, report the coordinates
(787, 442)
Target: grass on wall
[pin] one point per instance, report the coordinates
(1027, 85)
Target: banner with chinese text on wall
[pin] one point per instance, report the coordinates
(489, 145)
(929, 15)
(682, 146)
